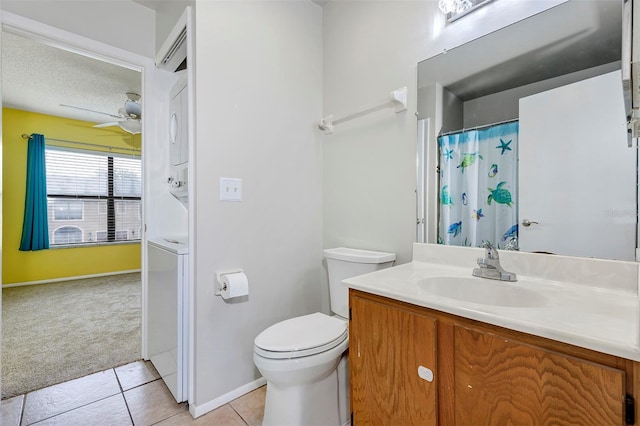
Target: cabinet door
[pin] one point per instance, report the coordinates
(387, 346)
(500, 382)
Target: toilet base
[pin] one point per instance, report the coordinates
(343, 389)
(306, 390)
(310, 404)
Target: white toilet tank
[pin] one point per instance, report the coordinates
(343, 263)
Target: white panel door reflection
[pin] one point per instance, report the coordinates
(569, 138)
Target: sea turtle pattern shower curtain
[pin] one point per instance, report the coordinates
(478, 187)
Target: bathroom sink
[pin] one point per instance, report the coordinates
(482, 291)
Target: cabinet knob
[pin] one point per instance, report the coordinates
(425, 373)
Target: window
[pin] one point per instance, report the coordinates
(97, 194)
(67, 235)
(67, 210)
(122, 235)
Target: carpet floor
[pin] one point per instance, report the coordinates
(56, 332)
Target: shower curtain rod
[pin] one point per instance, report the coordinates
(27, 137)
(478, 127)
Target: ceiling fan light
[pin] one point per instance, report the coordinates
(133, 109)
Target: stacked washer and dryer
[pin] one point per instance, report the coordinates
(167, 263)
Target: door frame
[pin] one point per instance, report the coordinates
(94, 49)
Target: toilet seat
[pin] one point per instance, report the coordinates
(301, 336)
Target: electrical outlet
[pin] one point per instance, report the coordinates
(230, 189)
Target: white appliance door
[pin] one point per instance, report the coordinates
(569, 139)
(166, 332)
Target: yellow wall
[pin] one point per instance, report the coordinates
(19, 266)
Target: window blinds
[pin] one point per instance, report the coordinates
(93, 197)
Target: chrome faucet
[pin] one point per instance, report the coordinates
(490, 266)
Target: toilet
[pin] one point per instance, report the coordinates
(305, 359)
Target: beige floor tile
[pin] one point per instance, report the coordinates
(151, 403)
(110, 411)
(54, 400)
(224, 415)
(11, 411)
(251, 406)
(136, 374)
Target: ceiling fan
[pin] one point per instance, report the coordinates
(128, 117)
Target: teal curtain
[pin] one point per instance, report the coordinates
(35, 228)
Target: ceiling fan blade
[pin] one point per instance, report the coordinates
(112, 123)
(131, 126)
(91, 110)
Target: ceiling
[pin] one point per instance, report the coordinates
(39, 78)
(570, 37)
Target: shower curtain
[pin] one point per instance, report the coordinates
(478, 187)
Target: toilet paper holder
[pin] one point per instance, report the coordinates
(220, 286)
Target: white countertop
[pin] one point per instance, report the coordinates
(604, 318)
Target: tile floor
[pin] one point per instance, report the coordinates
(129, 395)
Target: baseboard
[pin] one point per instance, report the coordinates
(80, 277)
(199, 410)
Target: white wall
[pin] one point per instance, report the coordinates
(258, 95)
(370, 49)
(122, 24)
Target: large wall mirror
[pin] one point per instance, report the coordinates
(523, 138)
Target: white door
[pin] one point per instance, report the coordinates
(166, 316)
(569, 138)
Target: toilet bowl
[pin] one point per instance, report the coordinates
(305, 359)
(302, 377)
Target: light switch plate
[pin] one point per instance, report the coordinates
(230, 189)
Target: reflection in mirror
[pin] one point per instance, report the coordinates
(526, 145)
(479, 205)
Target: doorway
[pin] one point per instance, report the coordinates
(95, 230)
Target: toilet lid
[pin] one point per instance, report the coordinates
(301, 336)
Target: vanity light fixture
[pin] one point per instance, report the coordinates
(456, 9)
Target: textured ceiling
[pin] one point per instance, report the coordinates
(38, 78)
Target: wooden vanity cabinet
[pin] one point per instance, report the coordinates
(482, 374)
(391, 343)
